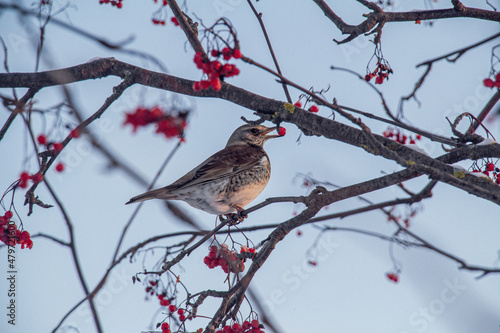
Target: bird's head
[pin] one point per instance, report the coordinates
(254, 135)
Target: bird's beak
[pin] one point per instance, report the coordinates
(268, 130)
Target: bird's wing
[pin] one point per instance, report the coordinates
(222, 164)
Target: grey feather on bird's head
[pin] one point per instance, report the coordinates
(254, 135)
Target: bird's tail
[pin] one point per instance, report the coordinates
(160, 193)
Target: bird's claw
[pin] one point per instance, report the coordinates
(237, 217)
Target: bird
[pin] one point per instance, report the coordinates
(228, 180)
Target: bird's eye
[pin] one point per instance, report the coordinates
(254, 131)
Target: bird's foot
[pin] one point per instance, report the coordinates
(237, 217)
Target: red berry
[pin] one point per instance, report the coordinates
(37, 177)
(379, 79)
(314, 109)
(488, 83)
(182, 317)
(174, 21)
(59, 167)
(226, 53)
(75, 133)
(156, 113)
(298, 104)
(216, 84)
(282, 131)
(204, 84)
(42, 139)
(58, 146)
(254, 323)
(215, 66)
(164, 302)
(393, 277)
(171, 308)
(24, 176)
(214, 53)
(180, 312)
(490, 167)
(119, 5)
(165, 326)
(8, 215)
(237, 54)
(197, 86)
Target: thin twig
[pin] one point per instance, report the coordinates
(270, 47)
(74, 255)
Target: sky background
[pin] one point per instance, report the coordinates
(348, 290)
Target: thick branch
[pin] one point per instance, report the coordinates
(378, 16)
(309, 123)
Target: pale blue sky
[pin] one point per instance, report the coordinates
(348, 290)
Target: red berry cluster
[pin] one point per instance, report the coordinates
(158, 16)
(57, 146)
(227, 260)
(396, 135)
(226, 53)
(26, 177)
(158, 21)
(247, 249)
(492, 84)
(170, 125)
(381, 72)
(247, 327)
(117, 3)
(10, 235)
(215, 70)
(393, 277)
(490, 170)
(152, 289)
(313, 108)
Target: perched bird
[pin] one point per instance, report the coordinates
(226, 181)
